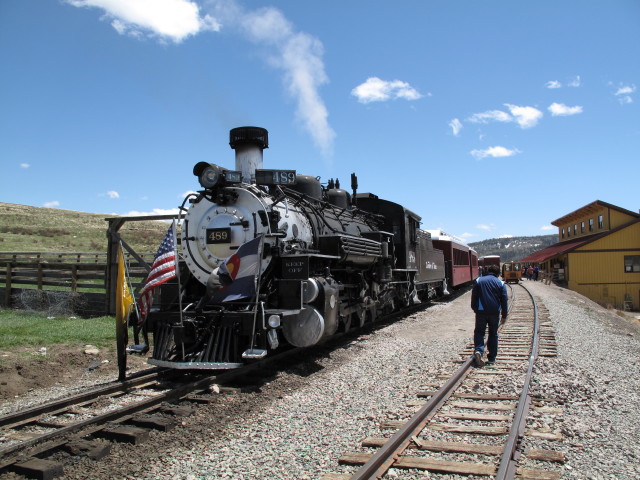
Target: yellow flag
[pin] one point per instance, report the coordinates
(124, 297)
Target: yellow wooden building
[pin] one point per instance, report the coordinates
(597, 254)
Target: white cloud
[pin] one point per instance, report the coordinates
(624, 94)
(52, 204)
(456, 126)
(24, 165)
(560, 109)
(576, 82)
(547, 227)
(297, 54)
(467, 235)
(526, 117)
(378, 90)
(627, 89)
(155, 211)
(166, 19)
(483, 227)
(113, 194)
(188, 192)
(490, 116)
(495, 152)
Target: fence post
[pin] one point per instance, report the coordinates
(7, 283)
(74, 277)
(39, 276)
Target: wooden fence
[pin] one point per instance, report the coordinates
(82, 275)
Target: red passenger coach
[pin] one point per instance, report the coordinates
(461, 261)
(487, 260)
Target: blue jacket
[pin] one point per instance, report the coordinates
(489, 295)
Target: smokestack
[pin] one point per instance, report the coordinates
(248, 142)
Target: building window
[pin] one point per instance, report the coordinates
(631, 263)
(563, 233)
(575, 228)
(600, 222)
(568, 232)
(581, 227)
(591, 224)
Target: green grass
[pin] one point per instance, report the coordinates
(21, 328)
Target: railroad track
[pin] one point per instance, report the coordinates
(87, 423)
(474, 423)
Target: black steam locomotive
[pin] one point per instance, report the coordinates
(272, 257)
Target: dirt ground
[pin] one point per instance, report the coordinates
(25, 369)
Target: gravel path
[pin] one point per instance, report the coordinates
(298, 425)
(597, 373)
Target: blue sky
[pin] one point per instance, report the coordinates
(487, 118)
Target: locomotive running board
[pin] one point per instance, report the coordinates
(194, 365)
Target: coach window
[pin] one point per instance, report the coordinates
(591, 224)
(581, 227)
(631, 263)
(413, 230)
(600, 222)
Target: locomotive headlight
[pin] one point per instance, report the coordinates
(209, 175)
(274, 321)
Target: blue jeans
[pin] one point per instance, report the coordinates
(493, 321)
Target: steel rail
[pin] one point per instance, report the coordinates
(121, 387)
(510, 455)
(383, 459)
(377, 466)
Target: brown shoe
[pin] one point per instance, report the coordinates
(477, 358)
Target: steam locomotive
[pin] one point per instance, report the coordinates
(273, 257)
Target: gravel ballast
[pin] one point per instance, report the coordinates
(299, 424)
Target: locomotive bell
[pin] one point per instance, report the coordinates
(248, 142)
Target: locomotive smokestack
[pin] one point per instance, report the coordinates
(248, 142)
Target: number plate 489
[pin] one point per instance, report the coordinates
(219, 235)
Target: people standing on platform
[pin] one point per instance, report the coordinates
(536, 271)
(530, 273)
(489, 301)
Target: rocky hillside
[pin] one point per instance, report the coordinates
(514, 248)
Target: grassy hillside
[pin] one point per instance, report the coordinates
(513, 248)
(35, 229)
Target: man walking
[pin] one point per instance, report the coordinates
(489, 301)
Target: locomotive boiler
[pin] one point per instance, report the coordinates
(274, 257)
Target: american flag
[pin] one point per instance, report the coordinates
(162, 270)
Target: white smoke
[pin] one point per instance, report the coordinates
(298, 55)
